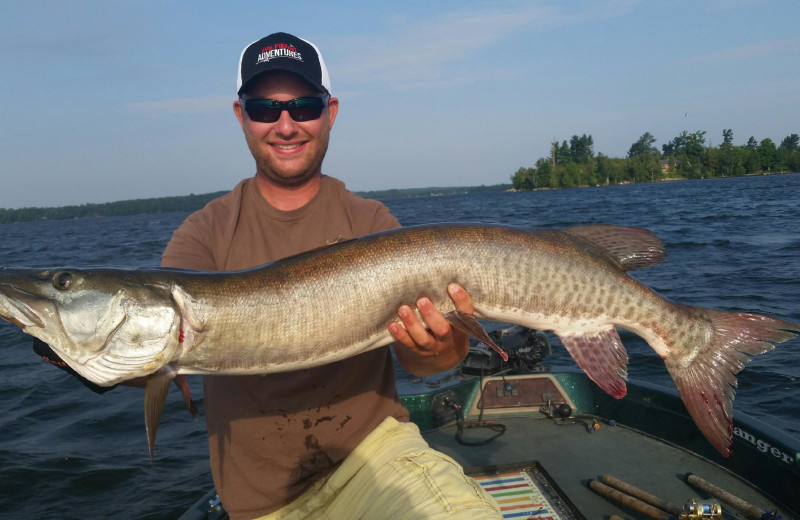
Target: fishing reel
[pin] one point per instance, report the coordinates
(693, 510)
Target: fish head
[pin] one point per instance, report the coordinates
(108, 325)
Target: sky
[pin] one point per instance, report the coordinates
(112, 100)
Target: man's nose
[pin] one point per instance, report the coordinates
(285, 125)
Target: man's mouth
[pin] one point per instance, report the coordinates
(292, 146)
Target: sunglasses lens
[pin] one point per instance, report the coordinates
(300, 109)
(306, 109)
(263, 110)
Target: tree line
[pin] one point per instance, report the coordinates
(189, 203)
(108, 209)
(686, 156)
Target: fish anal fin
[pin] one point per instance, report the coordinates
(633, 248)
(469, 325)
(602, 356)
(155, 394)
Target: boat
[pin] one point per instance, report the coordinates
(552, 444)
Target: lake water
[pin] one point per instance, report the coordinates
(67, 453)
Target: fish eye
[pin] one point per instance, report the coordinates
(62, 280)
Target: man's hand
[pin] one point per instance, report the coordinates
(422, 350)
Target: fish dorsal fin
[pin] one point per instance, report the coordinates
(633, 248)
(602, 356)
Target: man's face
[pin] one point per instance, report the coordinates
(287, 152)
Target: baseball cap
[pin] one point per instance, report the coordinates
(282, 51)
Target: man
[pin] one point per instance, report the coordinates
(333, 441)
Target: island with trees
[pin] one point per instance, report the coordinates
(684, 157)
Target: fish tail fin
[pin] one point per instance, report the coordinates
(707, 382)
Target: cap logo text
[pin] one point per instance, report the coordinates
(279, 50)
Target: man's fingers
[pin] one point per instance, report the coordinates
(432, 333)
(437, 324)
(415, 335)
(460, 298)
(400, 334)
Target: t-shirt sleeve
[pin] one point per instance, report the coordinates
(188, 249)
(384, 220)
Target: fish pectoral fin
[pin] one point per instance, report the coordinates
(602, 356)
(469, 325)
(155, 394)
(186, 305)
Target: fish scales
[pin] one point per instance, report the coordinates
(287, 306)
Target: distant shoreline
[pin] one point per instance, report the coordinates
(194, 202)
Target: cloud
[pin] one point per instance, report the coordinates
(728, 5)
(414, 53)
(184, 106)
(748, 52)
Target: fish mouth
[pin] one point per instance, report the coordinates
(17, 307)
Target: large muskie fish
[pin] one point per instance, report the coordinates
(332, 303)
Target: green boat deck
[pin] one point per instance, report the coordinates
(646, 440)
(571, 457)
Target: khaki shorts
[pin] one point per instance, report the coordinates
(393, 474)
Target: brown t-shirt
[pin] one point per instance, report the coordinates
(270, 437)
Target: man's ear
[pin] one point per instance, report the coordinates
(333, 109)
(237, 109)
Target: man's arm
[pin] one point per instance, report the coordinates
(423, 351)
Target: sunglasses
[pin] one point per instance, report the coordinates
(300, 109)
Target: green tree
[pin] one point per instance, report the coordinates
(562, 154)
(644, 146)
(570, 178)
(751, 160)
(791, 143)
(725, 158)
(788, 156)
(644, 168)
(727, 136)
(696, 143)
(544, 172)
(689, 153)
(711, 161)
(767, 153)
(520, 179)
(580, 148)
